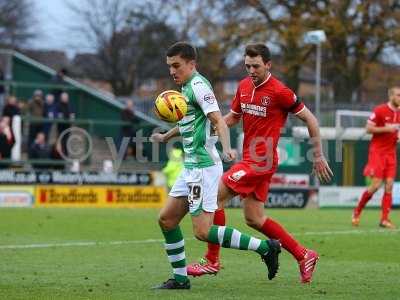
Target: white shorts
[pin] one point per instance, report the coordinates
(200, 186)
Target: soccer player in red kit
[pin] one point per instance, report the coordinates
(382, 161)
(263, 103)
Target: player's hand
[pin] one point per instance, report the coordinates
(157, 137)
(392, 127)
(229, 155)
(321, 169)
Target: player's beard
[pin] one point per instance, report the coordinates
(256, 80)
(395, 104)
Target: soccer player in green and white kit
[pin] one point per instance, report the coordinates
(197, 186)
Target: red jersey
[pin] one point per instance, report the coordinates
(264, 109)
(384, 143)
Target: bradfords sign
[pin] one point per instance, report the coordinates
(100, 196)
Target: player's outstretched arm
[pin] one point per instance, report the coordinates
(222, 129)
(164, 137)
(371, 128)
(320, 167)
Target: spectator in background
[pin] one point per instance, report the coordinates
(35, 110)
(39, 150)
(129, 130)
(64, 112)
(11, 108)
(7, 140)
(50, 112)
(59, 79)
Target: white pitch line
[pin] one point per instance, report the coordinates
(354, 231)
(150, 241)
(78, 244)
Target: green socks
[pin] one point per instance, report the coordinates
(229, 237)
(174, 245)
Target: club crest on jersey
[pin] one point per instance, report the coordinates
(265, 100)
(237, 175)
(209, 98)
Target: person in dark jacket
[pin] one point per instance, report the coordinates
(11, 108)
(50, 112)
(35, 110)
(40, 150)
(59, 80)
(64, 112)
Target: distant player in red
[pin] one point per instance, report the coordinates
(382, 161)
(263, 103)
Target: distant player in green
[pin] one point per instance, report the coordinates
(196, 188)
(174, 166)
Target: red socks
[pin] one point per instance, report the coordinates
(274, 230)
(363, 201)
(270, 228)
(386, 206)
(213, 249)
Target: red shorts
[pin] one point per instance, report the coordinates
(244, 180)
(381, 165)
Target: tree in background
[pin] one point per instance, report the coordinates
(153, 41)
(131, 37)
(16, 22)
(212, 29)
(104, 26)
(129, 40)
(282, 24)
(358, 32)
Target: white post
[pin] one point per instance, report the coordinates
(17, 131)
(316, 37)
(318, 83)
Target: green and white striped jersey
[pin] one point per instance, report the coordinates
(195, 128)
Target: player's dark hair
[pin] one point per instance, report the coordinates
(184, 50)
(254, 50)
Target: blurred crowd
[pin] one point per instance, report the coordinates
(41, 141)
(45, 116)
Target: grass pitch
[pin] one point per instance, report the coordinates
(118, 254)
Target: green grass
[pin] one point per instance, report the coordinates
(352, 266)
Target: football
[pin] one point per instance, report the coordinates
(170, 106)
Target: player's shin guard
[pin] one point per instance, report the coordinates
(386, 206)
(274, 230)
(213, 249)
(174, 246)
